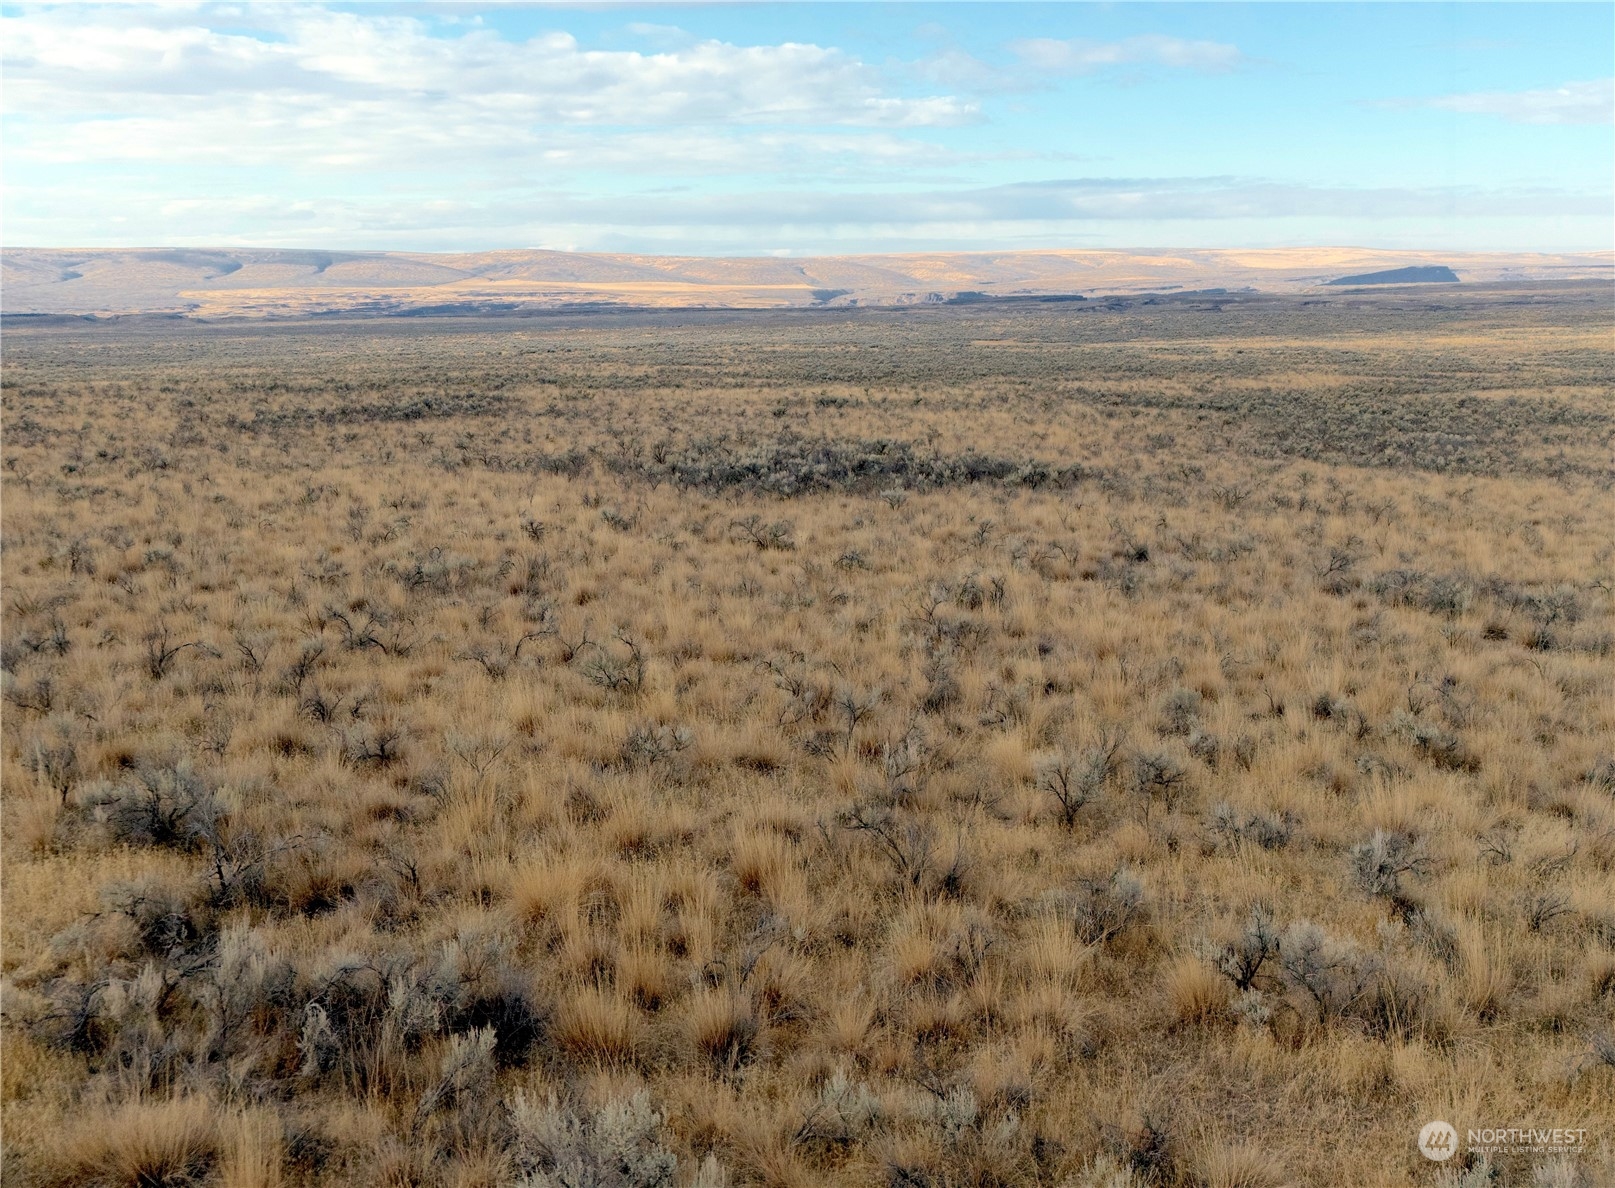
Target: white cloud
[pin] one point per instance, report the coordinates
(79, 61)
(1084, 200)
(319, 94)
(1079, 56)
(312, 137)
(315, 91)
(955, 67)
(1117, 211)
(664, 35)
(1574, 103)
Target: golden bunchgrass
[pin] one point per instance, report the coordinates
(621, 721)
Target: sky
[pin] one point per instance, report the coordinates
(797, 129)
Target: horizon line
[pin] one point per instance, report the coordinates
(791, 255)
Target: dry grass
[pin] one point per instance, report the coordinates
(436, 753)
(140, 1144)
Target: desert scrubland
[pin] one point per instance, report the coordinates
(1110, 746)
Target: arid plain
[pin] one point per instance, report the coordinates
(234, 283)
(1097, 745)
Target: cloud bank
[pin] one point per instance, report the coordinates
(1079, 56)
(312, 89)
(1574, 103)
(1217, 211)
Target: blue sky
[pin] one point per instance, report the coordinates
(797, 129)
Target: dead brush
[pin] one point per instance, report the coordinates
(618, 673)
(1074, 780)
(161, 651)
(1104, 908)
(1158, 775)
(763, 535)
(1245, 959)
(907, 843)
(498, 658)
(56, 764)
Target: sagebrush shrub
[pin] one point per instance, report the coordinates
(618, 1145)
